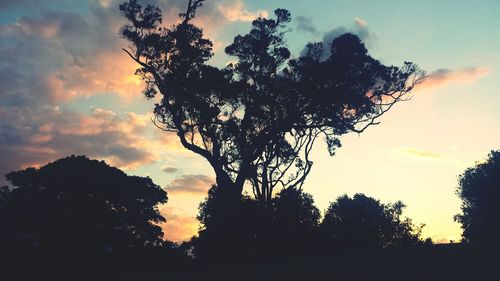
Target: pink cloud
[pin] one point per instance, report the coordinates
(444, 77)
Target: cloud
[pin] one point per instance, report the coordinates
(169, 170)
(65, 50)
(104, 134)
(237, 12)
(418, 153)
(360, 28)
(71, 53)
(123, 140)
(361, 23)
(304, 24)
(190, 184)
(444, 77)
(179, 226)
(53, 56)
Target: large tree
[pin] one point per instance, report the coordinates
(479, 189)
(256, 120)
(76, 204)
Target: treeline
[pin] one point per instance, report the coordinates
(82, 214)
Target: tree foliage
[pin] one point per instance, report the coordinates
(479, 189)
(295, 224)
(363, 222)
(228, 227)
(256, 120)
(78, 204)
(295, 212)
(243, 229)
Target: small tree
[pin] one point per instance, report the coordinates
(77, 204)
(363, 222)
(479, 189)
(257, 120)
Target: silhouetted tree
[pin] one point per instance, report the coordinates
(229, 227)
(257, 120)
(363, 222)
(479, 189)
(76, 204)
(235, 230)
(294, 211)
(295, 222)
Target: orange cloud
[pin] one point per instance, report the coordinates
(107, 72)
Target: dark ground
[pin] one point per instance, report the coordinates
(436, 262)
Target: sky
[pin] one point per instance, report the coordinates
(67, 88)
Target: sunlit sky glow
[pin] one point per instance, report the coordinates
(67, 88)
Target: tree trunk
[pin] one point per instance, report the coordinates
(225, 183)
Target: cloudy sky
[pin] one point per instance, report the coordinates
(67, 88)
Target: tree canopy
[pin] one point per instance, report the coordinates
(76, 204)
(479, 189)
(363, 222)
(256, 120)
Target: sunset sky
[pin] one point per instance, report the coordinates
(67, 88)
